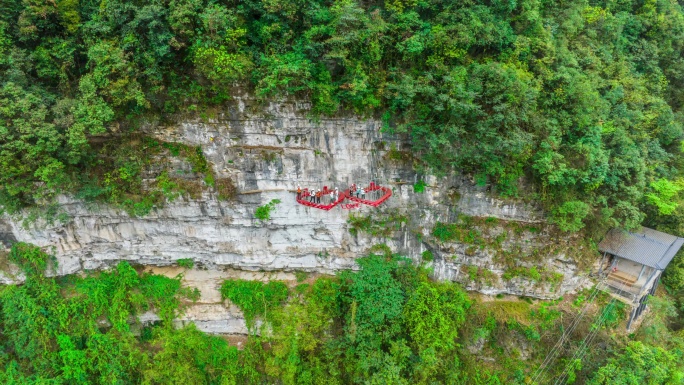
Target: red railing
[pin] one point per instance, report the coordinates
(387, 192)
(305, 197)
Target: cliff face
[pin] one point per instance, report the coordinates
(268, 152)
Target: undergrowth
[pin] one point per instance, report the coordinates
(254, 298)
(386, 323)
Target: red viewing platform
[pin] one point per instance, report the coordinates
(304, 198)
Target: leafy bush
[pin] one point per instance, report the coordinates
(193, 356)
(187, 263)
(169, 188)
(434, 314)
(664, 194)
(570, 215)
(673, 278)
(29, 258)
(254, 298)
(462, 232)
(301, 275)
(650, 364)
(263, 213)
(419, 187)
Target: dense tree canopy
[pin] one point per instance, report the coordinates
(385, 324)
(583, 98)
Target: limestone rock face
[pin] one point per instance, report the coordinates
(268, 151)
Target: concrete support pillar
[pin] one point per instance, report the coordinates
(643, 267)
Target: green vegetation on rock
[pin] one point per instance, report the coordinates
(378, 225)
(254, 298)
(386, 323)
(263, 213)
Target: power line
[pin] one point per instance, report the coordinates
(581, 351)
(551, 356)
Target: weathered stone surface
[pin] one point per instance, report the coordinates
(268, 153)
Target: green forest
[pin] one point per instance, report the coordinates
(386, 324)
(581, 99)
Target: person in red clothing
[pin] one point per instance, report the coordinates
(299, 192)
(318, 196)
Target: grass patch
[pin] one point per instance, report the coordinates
(301, 276)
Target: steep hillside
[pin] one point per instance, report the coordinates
(265, 155)
(151, 152)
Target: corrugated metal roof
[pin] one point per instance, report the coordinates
(662, 264)
(646, 246)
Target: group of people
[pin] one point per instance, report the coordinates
(315, 195)
(328, 195)
(356, 190)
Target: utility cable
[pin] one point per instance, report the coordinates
(539, 374)
(581, 351)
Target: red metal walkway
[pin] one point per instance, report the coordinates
(305, 198)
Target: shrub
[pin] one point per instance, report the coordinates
(169, 188)
(187, 263)
(29, 258)
(673, 278)
(254, 298)
(263, 213)
(570, 215)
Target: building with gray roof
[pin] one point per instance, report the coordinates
(633, 262)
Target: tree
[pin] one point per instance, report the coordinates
(640, 363)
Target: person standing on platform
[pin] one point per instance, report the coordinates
(299, 192)
(363, 194)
